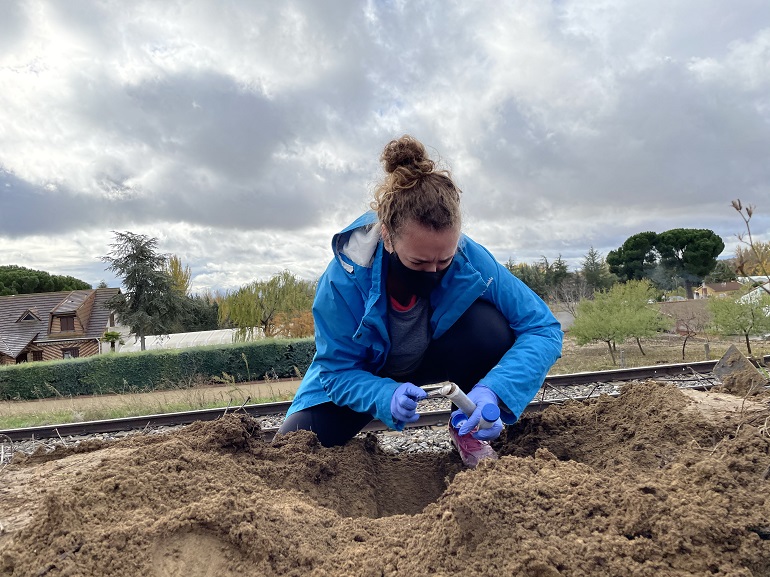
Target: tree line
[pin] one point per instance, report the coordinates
(678, 258)
(629, 311)
(609, 297)
(17, 280)
(156, 297)
(616, 299)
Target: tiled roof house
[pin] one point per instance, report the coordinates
(47, 326)
(718, 289)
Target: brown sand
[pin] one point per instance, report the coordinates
(646, 484)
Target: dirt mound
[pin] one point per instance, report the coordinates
(639, 485)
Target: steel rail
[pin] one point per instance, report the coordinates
(440, 418)
(264, 409)
(649, 372)
(140, 422)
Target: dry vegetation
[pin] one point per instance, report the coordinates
(661, 350)
(16, 414)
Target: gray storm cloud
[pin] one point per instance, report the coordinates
(257, 126)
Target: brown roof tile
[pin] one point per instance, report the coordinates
(15, 335)
(72, 302)
(724, 286)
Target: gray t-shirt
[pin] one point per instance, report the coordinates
(409, 337)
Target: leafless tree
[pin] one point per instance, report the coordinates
(570, 292)
(746, 238)
(691, 318)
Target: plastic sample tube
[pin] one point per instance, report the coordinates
(489, 414)
(455, 394)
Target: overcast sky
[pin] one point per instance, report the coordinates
(243, 134)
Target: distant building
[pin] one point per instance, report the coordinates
(757, 279)
(756, 294)
(183, 340)
(717, 289)
(57, 325)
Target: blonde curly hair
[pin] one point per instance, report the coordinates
(414, 189)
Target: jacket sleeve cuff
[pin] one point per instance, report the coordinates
(507, 416)
(383, 409)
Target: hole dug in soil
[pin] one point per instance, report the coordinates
(639, 485)
(360, 480)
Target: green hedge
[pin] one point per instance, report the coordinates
(156, 369)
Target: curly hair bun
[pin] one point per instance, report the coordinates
(407, 152)
(414, 190)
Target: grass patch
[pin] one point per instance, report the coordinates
(14, 415)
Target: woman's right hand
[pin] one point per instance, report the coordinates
(403, 404)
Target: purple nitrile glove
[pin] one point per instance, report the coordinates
(404, 402)
(481, 396)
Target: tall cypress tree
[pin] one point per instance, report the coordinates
(149, 304)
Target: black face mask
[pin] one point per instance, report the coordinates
(416, 282)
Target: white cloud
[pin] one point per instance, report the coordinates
(245, 133)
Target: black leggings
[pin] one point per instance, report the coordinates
(464, 354)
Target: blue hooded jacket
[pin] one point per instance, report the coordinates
(351, 325)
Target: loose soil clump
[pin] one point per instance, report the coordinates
(648, 483)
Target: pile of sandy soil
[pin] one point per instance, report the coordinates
(645, 484)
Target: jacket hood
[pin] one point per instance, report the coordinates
(357, 243)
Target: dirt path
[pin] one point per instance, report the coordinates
(653, 483)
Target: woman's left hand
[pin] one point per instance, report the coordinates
(481, 395)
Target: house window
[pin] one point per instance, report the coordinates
(72, 353)
(37, 355)
(67, 323)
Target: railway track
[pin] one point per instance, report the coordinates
(558, 385)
